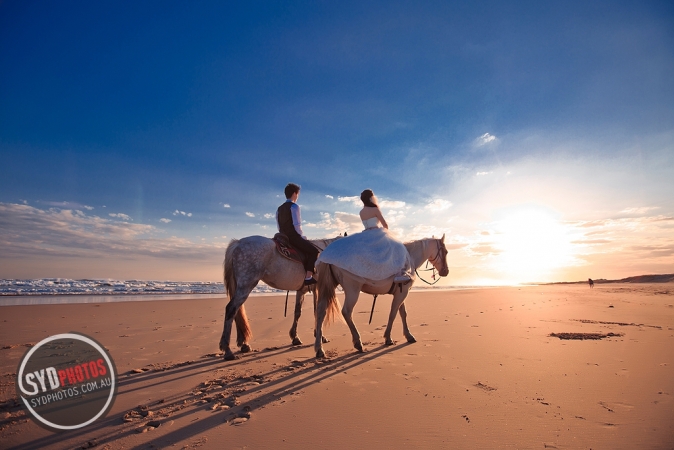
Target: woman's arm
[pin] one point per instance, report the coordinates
(380, 216)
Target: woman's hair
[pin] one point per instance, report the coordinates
(368, 198)
(290, 189)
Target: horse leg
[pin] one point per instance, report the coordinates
(313, 291)
(350, 299)
(231, 310)
(398, 299)
(242, 330)
(299, 299)
(406, 330)
(321, 310)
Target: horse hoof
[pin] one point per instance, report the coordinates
(297, 341)
(359, 348)
(229, 357)
(411, 339)
(320, 354)
(245, 348)
(389, 342)
(324, 339)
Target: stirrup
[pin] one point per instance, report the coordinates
(402, 279)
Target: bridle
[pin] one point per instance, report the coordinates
(432, 261)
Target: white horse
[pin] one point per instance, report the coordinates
(247, 261)
(329, 276)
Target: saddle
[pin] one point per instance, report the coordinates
(286, 250)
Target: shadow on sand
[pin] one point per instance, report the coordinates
(227, 398)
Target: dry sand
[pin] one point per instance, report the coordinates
(485, 373)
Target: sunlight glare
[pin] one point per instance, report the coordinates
(533, 245)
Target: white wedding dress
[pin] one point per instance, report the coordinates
(372, 254)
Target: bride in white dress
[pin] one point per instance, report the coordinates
(373, 253)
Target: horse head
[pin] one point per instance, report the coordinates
(439, 256)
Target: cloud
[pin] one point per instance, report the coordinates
(438, 204)
(485, 139)
(392, 204)
(339, 221)
(353, 199)
(181, 213)
(642, 210)
(484, 249)
(226, 205)
(120, 216)
(66, 205)
(269, 216)
(591, 241)
(165, 220)
(250, 214)
(329, 196)
(27, 232)
(484, 173)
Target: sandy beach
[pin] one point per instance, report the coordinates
(486, 372)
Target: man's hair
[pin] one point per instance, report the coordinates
(290, 189)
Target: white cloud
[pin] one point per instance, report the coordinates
(181, 213)
(250, 214)
(27, 232)
(329, 196)
(269, 216)
(484, 173)
(485, 139)
(353, 199)
(438, 204)
(120, 216)
(642, 210)
(392, 204)
(226, 205)
(164, 220)
(67, 205)
(339, 221)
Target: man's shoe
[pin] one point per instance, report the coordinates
(309, 281)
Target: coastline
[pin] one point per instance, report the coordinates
(58, 299)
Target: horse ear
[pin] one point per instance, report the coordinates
(345, 234)
(443, 238)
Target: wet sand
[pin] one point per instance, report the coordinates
(486, 372)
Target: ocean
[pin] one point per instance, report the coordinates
(64, 290)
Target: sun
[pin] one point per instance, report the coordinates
(533, 245)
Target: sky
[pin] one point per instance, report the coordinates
(139, 138)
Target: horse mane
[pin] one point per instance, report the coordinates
(228, 272)
(327, 286)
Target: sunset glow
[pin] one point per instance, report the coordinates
(533, 244)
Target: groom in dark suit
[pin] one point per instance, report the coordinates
(289, 222)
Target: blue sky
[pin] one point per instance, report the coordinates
(140, 137)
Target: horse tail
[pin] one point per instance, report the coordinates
(243, 331)
(327, 286)
(228, 266)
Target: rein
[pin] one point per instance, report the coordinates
(431, 260)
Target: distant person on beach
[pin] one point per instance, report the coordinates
(590, 282)
(289, 222)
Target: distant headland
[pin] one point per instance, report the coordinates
(664, 278)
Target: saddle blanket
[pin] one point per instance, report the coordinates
(285, 249)
(372, 254)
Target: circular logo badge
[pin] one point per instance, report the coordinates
(66, 381)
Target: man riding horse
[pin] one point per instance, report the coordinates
(289, 222)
